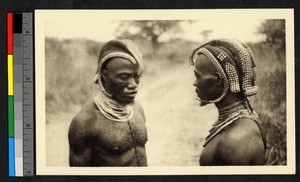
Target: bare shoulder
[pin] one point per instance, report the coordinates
(241, 143)
(83, 120)
(138, 108)
(242, 129)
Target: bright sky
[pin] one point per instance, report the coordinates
(101, 29)
(244, 31)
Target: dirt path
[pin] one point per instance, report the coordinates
(176, 124)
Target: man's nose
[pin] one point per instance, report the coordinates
(132, 84)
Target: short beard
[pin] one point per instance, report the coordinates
(203, 103)
(123, 101)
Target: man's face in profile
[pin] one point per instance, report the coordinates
(208, 82)
(121, 79)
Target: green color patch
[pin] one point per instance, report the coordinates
(10, 116)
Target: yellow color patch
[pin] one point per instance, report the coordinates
(10, 72)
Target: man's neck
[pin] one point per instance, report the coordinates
(229, 99)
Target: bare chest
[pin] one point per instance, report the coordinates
(118, 137)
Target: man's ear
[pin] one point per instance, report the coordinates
(219, 81)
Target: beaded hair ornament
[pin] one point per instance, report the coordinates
(234, 61)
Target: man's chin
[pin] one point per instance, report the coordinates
(126, 100)
(203, 103)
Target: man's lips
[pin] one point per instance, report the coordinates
(196, 90)
(131, 94)
(198, 95)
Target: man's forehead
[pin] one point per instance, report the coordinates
(121, 64)
(203, 64)
(117, 61)
(201, 58)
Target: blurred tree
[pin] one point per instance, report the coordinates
(274, 31)
(150, 30)
(206, 33)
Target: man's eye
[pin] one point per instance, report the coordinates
(124, 77)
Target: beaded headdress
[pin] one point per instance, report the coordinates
(234, 61)
(118, 49)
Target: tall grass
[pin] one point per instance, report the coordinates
(270, 103)
(70, 65)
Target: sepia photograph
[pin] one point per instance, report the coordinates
(165, 92)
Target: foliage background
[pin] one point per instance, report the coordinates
(176, 124)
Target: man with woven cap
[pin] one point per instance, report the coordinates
(225, 75)
(110, 129)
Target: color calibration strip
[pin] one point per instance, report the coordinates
(20, 94)
(10, 71)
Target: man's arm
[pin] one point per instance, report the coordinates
(242, 145)
(80, 149)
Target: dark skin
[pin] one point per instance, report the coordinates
(121, 79)
(241, 142)
(97, 141)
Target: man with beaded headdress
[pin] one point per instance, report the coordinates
(225, 75)
(110, 129)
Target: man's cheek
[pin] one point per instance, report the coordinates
(119, 88)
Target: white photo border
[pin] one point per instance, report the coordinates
(41, 16)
